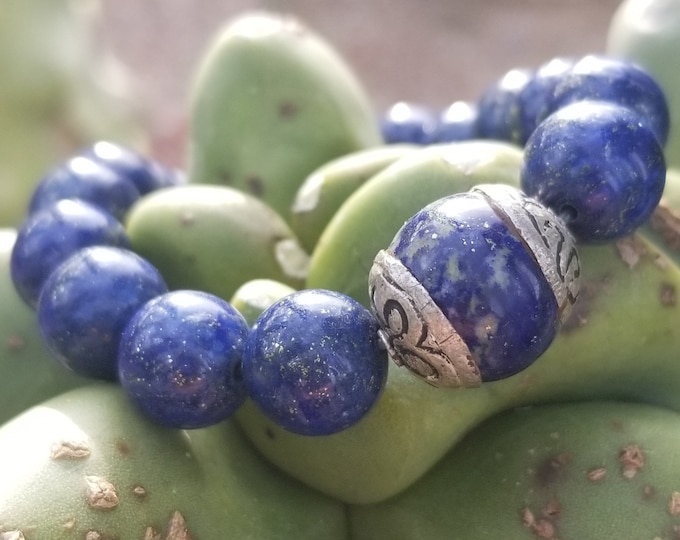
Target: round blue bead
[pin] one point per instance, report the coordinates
(617, 81)
(147, 175)
(408, 123)
(498, 108)
(484, 280)
(88, 300)
(598, 167)
(458, 122)
(313, 362)
(179, 359)
(50, 236)
(85, 179)
(535, 98)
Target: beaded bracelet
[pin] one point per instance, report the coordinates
(472, 289)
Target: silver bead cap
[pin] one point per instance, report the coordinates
(416, 333)
(546, 237)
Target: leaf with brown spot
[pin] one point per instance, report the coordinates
(139, 492)
(632, 459)
(596, 475)
(666, 222)
(15, 343)
(177, 528)
(101, 494)
(70, 450)
(668, 295)
(674, 504)
(631, 249)
(151, 534)
(12, 535)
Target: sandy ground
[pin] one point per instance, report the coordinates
(433, 51)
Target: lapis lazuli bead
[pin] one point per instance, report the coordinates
(498, 108)
(406, 122)
(147, 175)
(88, 300)
(615, 80)
(179, 359)
(85, 179)
(314, 363)
(458, 122)
(598, 166)
(49, 236)
(535, 98)
(484, 280)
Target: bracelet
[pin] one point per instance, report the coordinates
(472, 289)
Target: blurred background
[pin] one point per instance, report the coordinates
(434, 51)
(73, 71)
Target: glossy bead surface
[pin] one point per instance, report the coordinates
(85, 179)
(458, 122)
(535, 97)
(499, 111)
(147, 175)
(598, 167)
(617, 81)
(408, 123)
(50, 236)
(493, 297)
(313, 362)
(88, 300)
(180, 359)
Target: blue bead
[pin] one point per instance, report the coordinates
(458, 122)
(598, 167)
(86, 303)
(499, 111)
(535, 97)
(408, 123)
(85, 179)
(617, 81)
(180, 359)
(484, 280)
(50, 236)
(147, 175)
(313, 362)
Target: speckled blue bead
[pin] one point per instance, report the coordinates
(147, 175)
(88, 300)
(313, 362)
(407, 122)
(85, 179)
(535, 98)
(498, 107)
(596, 165)
(50, 236)
(458, 122)
(483, 279)
(179, 359)
(617, 81)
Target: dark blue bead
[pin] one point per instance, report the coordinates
(50, 236)
(147, 175)
(617, 81)
(180, 359)
(88, 300)
(598, 167)
(85, 179)
(458, 122)
(408, 123)
(484, 280)
(313, 362)
(498, 113)
(535, 98)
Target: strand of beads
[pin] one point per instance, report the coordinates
(473, 288)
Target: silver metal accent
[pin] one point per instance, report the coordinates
(546, 236)
(416, 333)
